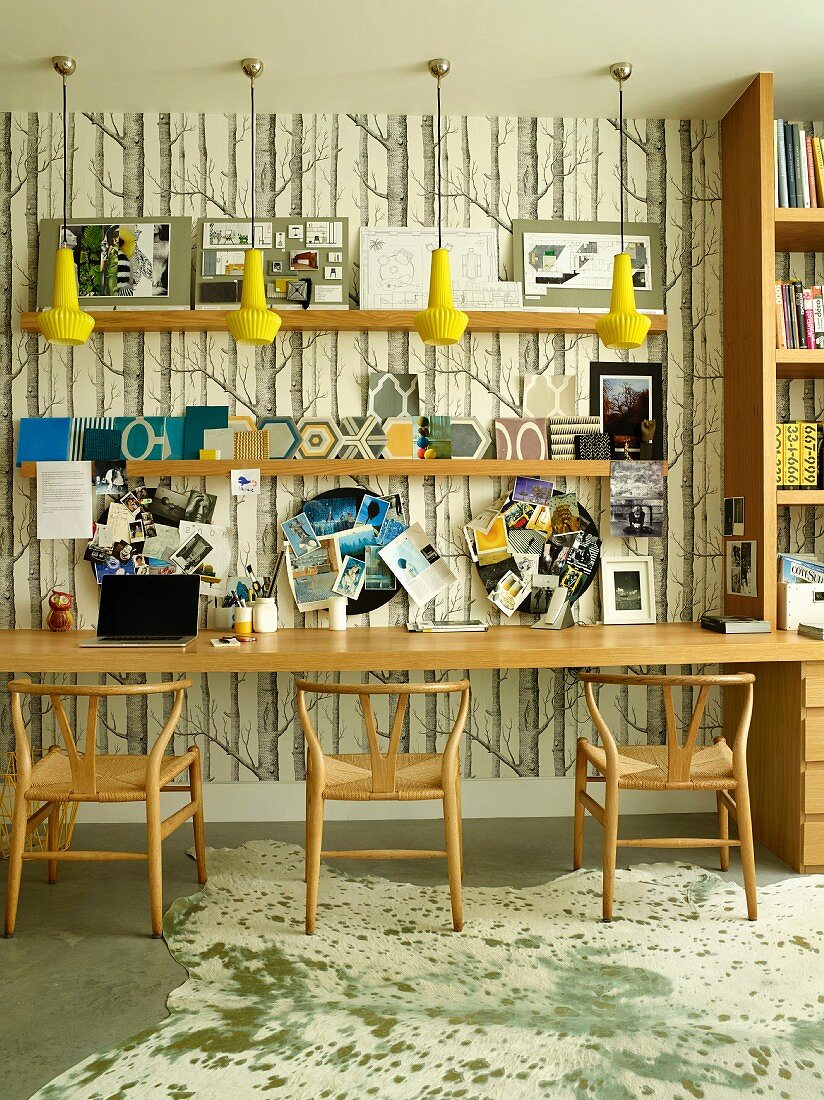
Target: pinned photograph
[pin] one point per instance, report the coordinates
(300, 535)
(492, 546)
(335, 257)
(213, 568)
(200, 507)
(317, 233)
(245, 483)
(313, 574)
(517, 514)
(373, 510)
(110, 479)
(295, 232)
(636, 499)
(136, 532)
(509, 593)
(220, 234)
(113, 567)
(280, 240)
(276, 267)
(533, 490)
(169, 506)
(734, 516)
(328, 515)
(130, 501)
(741, 569)
(191, 553)
(303, 261)
(350, 579)
(378, 576)
(333, 271)
(353, 543)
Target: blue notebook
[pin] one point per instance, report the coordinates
(44, 439)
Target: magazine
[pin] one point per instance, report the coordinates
(417, 565)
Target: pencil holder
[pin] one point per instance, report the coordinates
(243, 620)
(265, 615)
(222, 618)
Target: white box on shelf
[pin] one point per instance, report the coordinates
(799, 603)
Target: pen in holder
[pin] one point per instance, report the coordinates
(337, 614)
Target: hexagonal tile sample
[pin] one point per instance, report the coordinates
(399, 437)
(469, 438)
(319, 437)
(362, 437)
(284, 438)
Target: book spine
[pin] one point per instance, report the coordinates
(780, 334)
(811, 172)
(797, 169)
(792, 455)
(809, 330)
(800, 328)
(781, 159)
(818, 159)
(820, 454)
(779, 456)
(788, 323)
(788, 138)
(802, 158)
(817, 295)
(809, 454)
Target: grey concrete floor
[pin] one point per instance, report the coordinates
(82, 973)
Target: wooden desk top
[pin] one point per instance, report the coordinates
(392, 648)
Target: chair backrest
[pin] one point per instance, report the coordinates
(383, 765)
(679, 753)
(84, 765)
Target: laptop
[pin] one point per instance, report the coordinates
(147, 611)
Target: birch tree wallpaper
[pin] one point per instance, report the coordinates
(375, 170)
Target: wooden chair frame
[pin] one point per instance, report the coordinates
(679, 763)
(85, 789)
(384, 782)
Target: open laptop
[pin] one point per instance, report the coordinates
(139, 611)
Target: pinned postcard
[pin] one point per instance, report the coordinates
(300, 535)
(245, 483)
(350, 579)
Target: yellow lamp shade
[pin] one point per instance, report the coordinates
(254, 323)
(623, 326)
(440, 324)
(65, 322)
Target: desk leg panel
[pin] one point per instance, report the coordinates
(775, 756)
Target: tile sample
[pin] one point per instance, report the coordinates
(361, 437)
(319, 437)
(284, 438)
(400, 437)
(393, 394)
(470, 439)
(548, 395)
(520, 437)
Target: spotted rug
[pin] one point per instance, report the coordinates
(680, 997)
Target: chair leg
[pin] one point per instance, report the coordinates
(459, 803)
(196, 783)
(610, 847)
(742, 806)
(53, 840)
(723, 830)
(314, 845)
(452, 836)
(155, 860)
(578, 817)
(18, 845)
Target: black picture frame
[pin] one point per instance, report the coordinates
(633, 372)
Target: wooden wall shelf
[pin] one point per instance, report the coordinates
(325, 467)
(799, 230)
(800, 496)
(799, 363)
(338, 320)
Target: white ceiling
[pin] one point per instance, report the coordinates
(521, 57)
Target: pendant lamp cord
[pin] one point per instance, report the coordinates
(440, 237)
(621, 147)
(65, 165)
(252, 123)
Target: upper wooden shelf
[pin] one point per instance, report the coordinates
(337, 320)
(799, 229)
(799, 363)
(379, 467)
(801, 496)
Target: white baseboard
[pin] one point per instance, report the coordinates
(488, 798)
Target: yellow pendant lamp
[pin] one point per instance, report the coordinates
(440, 324)
(254, 323)
(623, 327)
(65, 322)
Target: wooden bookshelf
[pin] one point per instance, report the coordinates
(798, 229)
(799, 363)
(379, 467)
(338, 320)
(800, 496)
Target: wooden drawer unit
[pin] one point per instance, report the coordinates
(814, 735)
(814, 844)
(814, 789)
(814, 684)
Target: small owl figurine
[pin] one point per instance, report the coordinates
(60, 617)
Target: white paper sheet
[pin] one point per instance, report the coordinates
(64, 500)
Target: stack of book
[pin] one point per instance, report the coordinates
(799, 315)
(799, 166)
(797, 463)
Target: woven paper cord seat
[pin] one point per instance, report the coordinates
(644, 767)
(349, 778)
(119, 778)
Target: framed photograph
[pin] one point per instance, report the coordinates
(627, 590)
(622, 395)
(734, 516)
(568, 265)
(637, 499)
(136, 262)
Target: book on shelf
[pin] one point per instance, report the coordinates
(734, 624)
(798, 444)
(797, 569)
(799, 166)
(812, 630)
(799, 315)
(447, 626)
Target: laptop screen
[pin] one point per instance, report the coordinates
(148, 606)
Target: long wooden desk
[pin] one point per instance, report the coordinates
(786, 745)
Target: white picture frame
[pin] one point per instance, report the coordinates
(628, 590)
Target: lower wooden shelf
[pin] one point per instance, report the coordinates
(799, 363)
(326, 467)
(800, 496)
